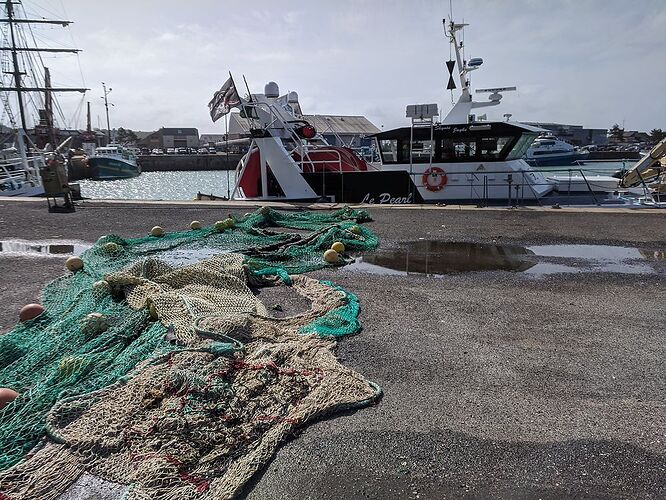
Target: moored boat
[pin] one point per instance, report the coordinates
(19, 174)
(458, 160)
(113, 162)
(549, 151)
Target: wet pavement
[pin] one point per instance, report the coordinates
(497, 384)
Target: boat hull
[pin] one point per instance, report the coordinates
(498, 184)
(557, 160)
(112, 168)
(25, 190)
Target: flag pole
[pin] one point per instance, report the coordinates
(226, 136)
(248, 88)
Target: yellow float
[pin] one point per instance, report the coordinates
(331, 256)
(74, 264)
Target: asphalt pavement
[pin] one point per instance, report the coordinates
(496, 384)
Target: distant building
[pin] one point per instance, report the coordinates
(350, 131)
(635, 137)
(171, 138)
(209, 140)
(575, 134)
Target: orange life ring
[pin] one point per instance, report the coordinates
(434, 179)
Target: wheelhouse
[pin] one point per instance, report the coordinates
(487, 142)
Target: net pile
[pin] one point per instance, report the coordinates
(190, 405)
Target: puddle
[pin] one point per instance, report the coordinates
(47, 248)
(437, 258)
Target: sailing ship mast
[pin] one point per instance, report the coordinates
(18, 87)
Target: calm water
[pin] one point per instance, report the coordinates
(185, 185)
(161, 186)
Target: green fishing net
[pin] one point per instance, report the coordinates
(141, 299)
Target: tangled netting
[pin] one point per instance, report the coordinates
(157, 367)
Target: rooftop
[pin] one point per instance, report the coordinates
(335, 124)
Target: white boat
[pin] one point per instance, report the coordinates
(19, 173)
(547, 150)
(457, 160)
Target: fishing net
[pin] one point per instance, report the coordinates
(169, 375)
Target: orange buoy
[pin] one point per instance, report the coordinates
(30, 311)
(7, 396)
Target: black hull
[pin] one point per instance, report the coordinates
(387, 187)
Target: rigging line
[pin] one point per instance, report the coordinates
(56, 103)
(74, 44)
(76, 119)
(36, 67)
(38, 7)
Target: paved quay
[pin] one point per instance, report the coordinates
(497, 384)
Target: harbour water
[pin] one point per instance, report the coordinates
(185, 185)
(161, 186)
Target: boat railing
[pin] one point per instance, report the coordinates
(17, 168)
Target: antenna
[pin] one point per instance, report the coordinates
(106, 105)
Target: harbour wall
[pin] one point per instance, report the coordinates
(171, 163)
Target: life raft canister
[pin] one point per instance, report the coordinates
(434, 179)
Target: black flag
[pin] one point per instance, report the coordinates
(452, 84)
(223, 100)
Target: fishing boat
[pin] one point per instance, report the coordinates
(460, 159)
(22, 164)
(113, 162)
(548, 150)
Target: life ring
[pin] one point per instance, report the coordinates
(434, 179)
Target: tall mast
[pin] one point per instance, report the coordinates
(106, 105)
(18, 86)
(88, 126)
(17, 72)
(462, 68)
(48, 107)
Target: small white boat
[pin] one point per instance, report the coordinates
(548, 150)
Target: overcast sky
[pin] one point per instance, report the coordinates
(588, 62)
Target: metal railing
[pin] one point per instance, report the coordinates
(15, 172)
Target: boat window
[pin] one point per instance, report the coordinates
(389, 150)
(464, 149)
(493, 147)
(422, 151)
(521, 147)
